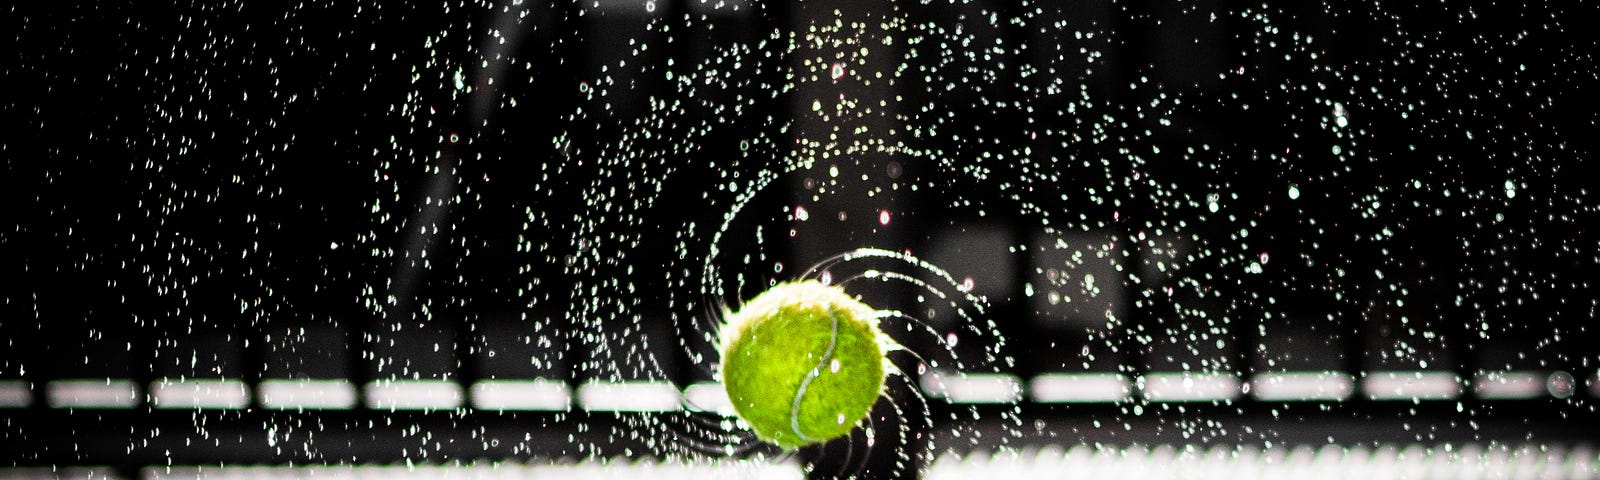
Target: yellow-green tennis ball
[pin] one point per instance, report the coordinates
(802, 363)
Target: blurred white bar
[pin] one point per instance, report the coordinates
(708, 397)
(413, 395)
(615, 468)
(973, 388)
(295, 394)
(1412, 385)
(63, 473)
(1594, 385)
(1189, 386)
(639, 396)
(1168, 461)
(92, 393)
(528, 395)
(172, 393)
(15, 394)
(1582, 462)
(1080, 388)
(1302, 386)
(1509, 385)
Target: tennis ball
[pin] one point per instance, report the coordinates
(802, 363)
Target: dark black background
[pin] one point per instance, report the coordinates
(182, 179)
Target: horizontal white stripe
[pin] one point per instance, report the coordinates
(973, 388)
(1387, 461)
(92, 393)
(199, 393)
(537, 394)
(1302, 386)
(60, 473)
(618, 468)
(708, 397)
(292, 394)
(640, 396)
(15, 394)
(413, 395)
(1189, 386)
(1079, 388)
(1412, 385)
(1509, 385)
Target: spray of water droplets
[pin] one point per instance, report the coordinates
(1029, 186)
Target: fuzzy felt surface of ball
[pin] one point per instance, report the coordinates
(802, 363)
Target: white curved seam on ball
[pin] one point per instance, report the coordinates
(794, 411)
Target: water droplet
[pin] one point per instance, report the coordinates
(1561, 384)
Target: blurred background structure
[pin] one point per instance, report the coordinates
(491, 238)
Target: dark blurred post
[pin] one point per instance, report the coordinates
(844, 112)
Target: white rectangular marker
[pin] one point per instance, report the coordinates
(973, 388)
(1412, 385)
(708, 397)
(15, 394)
(413, 395)
(1509, 385)
(1189, 386)
(637, 396)
(92, 393)
(307, 394)
(193, 393)
(1080, 388)
(526, 395)
(1302, 386)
